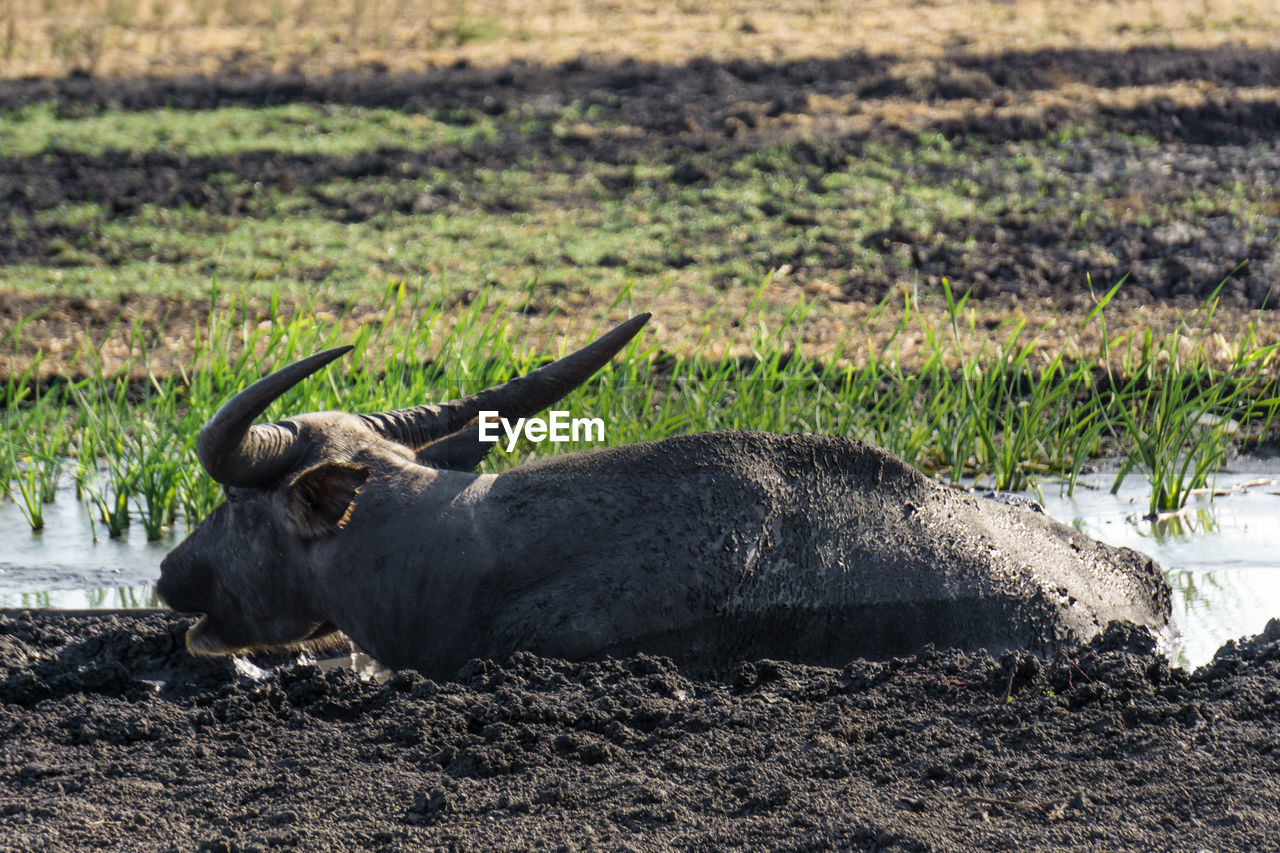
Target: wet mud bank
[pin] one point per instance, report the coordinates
(114, 738)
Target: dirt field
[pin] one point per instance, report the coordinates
(1158, 214)
(696, 88)
(112, 738)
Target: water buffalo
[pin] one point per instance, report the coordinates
(707, 548)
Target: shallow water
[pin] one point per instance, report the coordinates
(62, 566)
(1222, 556)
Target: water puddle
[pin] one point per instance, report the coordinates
(1222, 557)
(63, 567)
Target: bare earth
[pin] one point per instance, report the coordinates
(113, 738)
(51, 38)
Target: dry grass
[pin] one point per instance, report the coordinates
(59, 331)
(852, 115)
(130, 37)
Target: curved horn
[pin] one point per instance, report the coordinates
(521, 397)
(237, 452)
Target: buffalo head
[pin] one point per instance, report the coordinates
(253, 567)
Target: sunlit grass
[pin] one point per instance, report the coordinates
(280, 199)
(1179, 414)
(331, 130)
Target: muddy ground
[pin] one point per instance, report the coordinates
(1096, 213)
(1217, 111)
(113, 738)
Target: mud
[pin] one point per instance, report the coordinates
(706, 86)
(113, 738)
(1215, 111)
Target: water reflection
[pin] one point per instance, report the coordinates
(64, 556)
(1179, 526)
(1221, 554)
(128, 597)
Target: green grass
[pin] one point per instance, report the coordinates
(997, 418)
(582, 222)
(1178, 414)
(329, 129)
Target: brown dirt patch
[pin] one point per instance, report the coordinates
(1215, 111)
(698, 86)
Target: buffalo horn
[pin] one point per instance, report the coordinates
(237, 452)
(521, 397)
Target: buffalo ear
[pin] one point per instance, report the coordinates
(321, 498)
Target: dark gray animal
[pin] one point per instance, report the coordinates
(708, 548)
